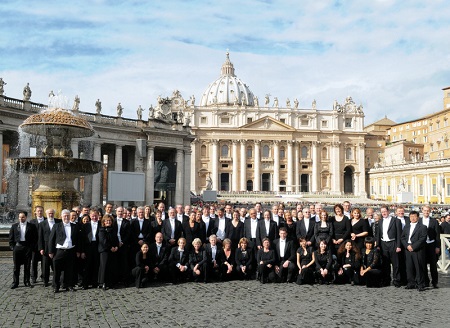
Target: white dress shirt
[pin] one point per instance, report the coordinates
(386, 223)
(94, 226)
(282, 247)
(426, 222)
(68, 242)
(141, 223)
(23, 228)
(411, 231)
(253, 225)
(221, 229)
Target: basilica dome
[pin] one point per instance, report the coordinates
(228, 89)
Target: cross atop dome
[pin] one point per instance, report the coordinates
(227, 67)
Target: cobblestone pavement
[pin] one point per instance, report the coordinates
(230, 304)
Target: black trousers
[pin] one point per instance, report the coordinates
(139, 274)
(47, 263)
(415, 263)
(123, 271)
(431, 259)
(390, 256)
(92, 263)
(107, 271)
(286, 274)
(64, 261)
(21, 256)
(36, 257)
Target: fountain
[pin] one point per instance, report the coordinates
(54, 166)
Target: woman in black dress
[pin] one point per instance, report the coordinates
(323, 261)
(141, 272)
(198, 260)
(290, 226)
(234, 229)
(265, 260)
(226, 260)
(305, 263)
(108, 244)
(360, 228)
(244, 259)
(341, 226)
(156, 225)
(348, 263)
(370, 273)
(323, 230)
(191, 230)
(202, 234)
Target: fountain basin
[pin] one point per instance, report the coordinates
(56, 165)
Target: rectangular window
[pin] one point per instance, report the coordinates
(249, 166)
(389, 190)
(282, 166)
(304, 167)
(249, 120)
(225, 120)
(434, 189)
(324, 124)
(348, 122)
(203, 120)
(305, 122)
(224, 165)
(283, 120)
(421, 189)
(448, 189)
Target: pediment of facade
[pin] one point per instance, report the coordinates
(267, 123)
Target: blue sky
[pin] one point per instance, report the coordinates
(391, 56)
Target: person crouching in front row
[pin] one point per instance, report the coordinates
(179, 262)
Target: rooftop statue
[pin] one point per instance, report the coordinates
(256, 101)
(296, 103)
(192, 100)
(151, 112)
(76, 104)
(267, 101)
(314, 104)
(119, 110)
(288, 103)
(98, 106)
(27, 92)
(139, 113)
(275, 102)
(2, 83)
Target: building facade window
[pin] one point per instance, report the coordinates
(282, 152)
(225, 120)
(249, 152)
(348, 154)
(203, 151)
(265, 151)
(304, 152)
(348, 122)
(225, 151)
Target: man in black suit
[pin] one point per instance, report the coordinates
(305, 227)
(220, 225)
(172, 229)
(250, 226)
(389, 240)
(89, 249)
(208, 223)
(229, 211)
(35, 255)
(445, 226)
(64, 248)
(259, 211)
(123, 229)
(404, 220)
(162, 207)
(285, 257)
(109, 210)
(266, 229)
(23, 237)
(45, 229)
(212, 253)
(413, 238)
(141, 232)
(432, 247)
(180, 214)
(159, 256)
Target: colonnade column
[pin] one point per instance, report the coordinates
(150, 175)
(362, 171)
(193, 173)
(336, 167)
(118, 165)
(187, 176)
(96, 179)
(215, 164)
(74, 148)
(297, 167)
(257, 161)
(289, 166)
(179, 187)
(243, 166)
(23, 183)
(315, 166)
(276, 165)
(235, 172)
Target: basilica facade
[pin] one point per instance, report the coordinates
(243, 143)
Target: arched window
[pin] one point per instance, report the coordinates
(348, 153)
(203, 151)
(324, 153)
(304, 152)
(249, 152)
(225, 151)
(265, 151)
(282, 152)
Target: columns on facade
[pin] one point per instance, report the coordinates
(315, 166)
(74, 148)
(187, 176)
(290, 164)
(243, 165)
(215, 164)
(257, 162)
(96, 179)
(179, 188)
(336, 186)
(1, 160)
(297, 167)
(150, 175)
(276, 165)
(118, 165)
(194, 154)
(235, 172)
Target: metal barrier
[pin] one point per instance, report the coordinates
(444, 262)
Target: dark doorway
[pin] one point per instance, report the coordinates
(224, 181)
(249, 185)
(348, 180)
(266, 182)
(304, 183)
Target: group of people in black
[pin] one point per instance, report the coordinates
(90, 249)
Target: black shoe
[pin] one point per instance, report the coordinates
(99, 287)
(71, 289)
(56, 290)
(104, 287)
(397, 285)
(410, 287)
(421, 289)
(14, 286)
(435, 286)
(46, 284)
(33, 280)
(27, 284)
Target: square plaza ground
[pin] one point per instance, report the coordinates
(228, 304)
